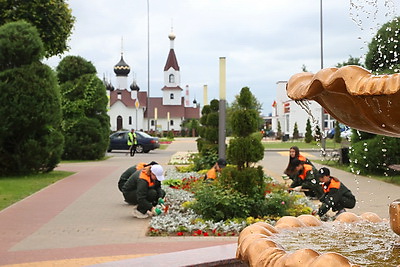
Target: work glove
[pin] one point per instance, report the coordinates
(155, 211)
(314, 212)
(297, 189)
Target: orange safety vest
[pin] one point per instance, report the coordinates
(140, 165)
(212, 174)
(332, 184)
(306, 168)
(302, 158)
(147, 178)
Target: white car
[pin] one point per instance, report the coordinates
(346, 133)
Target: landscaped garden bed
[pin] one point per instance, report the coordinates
(181, 220)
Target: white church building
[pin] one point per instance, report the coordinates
(130, 108)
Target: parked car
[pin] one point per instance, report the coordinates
(145, 142)
(346, 133)
(331, 132)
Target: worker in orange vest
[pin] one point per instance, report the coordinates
(130, 171)
(305, 179)
(294, 153)
(336, 195)
(212, 174)
(143, 189)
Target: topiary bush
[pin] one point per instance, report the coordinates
(249, 181)
(86, 124)
(30, 136)
(308, 135)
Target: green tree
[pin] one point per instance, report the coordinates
(372, 153)
(350, 61)
(295, 131)
(52, 18)
(384, 49)
(30, 136)
(308, 135)
(191, 125)
(208, 131)
(279, 131)
(337, 137)
(86, 124)
(245, 147)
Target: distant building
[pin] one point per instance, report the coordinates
(131, 108)
(287, 112)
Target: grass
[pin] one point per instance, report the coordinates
(15, 188)
(330, 144)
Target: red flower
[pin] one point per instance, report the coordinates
(205, 234)
(180, 233)
(198, 232)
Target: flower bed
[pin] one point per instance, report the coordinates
(181, 158)
(183, 221)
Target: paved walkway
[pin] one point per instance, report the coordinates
(82, 220)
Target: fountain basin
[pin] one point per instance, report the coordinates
(394, 211)
(353, 96)
(282, 248)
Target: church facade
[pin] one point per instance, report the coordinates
(131, 108)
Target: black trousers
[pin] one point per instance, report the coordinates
(132, 150)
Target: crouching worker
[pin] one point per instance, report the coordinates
(130, 171)
(336, 195)
(144, 190)
(212, 173)
(305, 179)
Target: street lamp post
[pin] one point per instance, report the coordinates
(323, 145)
(168, 121)
(222, 106)
(148, 66)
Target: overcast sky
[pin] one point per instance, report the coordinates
(263, 41)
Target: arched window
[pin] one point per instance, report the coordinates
(171, 123)
(171, 78)
(152, 122)
(130, 120)
(119, 96)
(171, 96)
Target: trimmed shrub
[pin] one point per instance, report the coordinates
(30, 136)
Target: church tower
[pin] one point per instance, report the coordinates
(172, 92)
(121, 69)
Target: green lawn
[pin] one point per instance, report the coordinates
(330, 144)
(13, 189)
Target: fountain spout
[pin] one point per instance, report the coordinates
(353, 96)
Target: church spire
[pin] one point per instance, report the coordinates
(172, 62)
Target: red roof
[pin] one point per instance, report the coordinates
(171, 61)
(172, 88)
(174, 110)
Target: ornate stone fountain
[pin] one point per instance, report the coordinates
(353, 96)
(363, 101)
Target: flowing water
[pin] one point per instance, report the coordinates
(366, 244)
